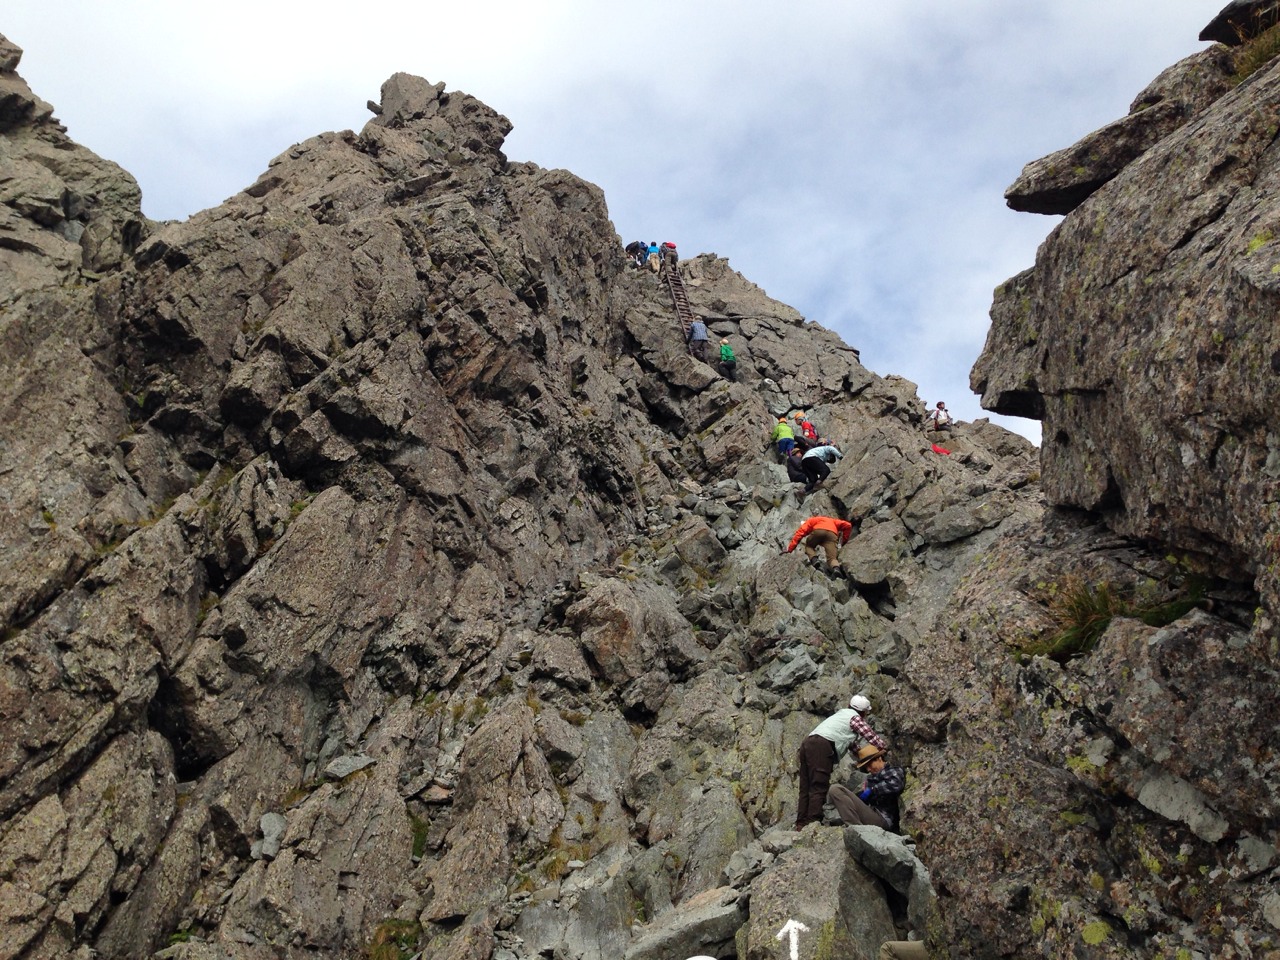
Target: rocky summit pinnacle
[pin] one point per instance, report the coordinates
(382, 575)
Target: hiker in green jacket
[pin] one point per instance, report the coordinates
(728, 363)
(785, 437)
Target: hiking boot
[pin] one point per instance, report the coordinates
(837, 571)
(815, 563)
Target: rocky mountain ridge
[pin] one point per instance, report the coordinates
(382, 576)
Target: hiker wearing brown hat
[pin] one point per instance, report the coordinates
(875, 803)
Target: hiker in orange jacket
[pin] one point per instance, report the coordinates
(830, 533)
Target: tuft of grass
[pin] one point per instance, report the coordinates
(300, 792)
(207, 603)
(1255, 54)
(393, 940)
(1084, 610)
(420, 828)
(556, 867)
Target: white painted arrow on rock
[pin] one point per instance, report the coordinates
(794, 928)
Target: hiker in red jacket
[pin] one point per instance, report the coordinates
(830, 533)
(806, 432)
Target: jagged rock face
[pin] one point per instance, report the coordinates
(382, 575)
(379, 564)
(1060, 182)
(1112, 802)
(1241, 20)
(62, 209)
(1144, 339)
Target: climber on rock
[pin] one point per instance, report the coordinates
(815, 464)
(728, 362)
(822, 749)
(655, 258)
(875, 802)
(794, 471)
(637, 250)
(806, 432)
(697, 339)
(940, 418)
(784, 436)
(667, 254)
(829, 533)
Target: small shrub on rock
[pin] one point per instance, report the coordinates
(393, 940)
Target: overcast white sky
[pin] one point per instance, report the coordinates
(848, 156)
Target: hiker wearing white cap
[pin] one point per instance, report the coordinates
(822, 749)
